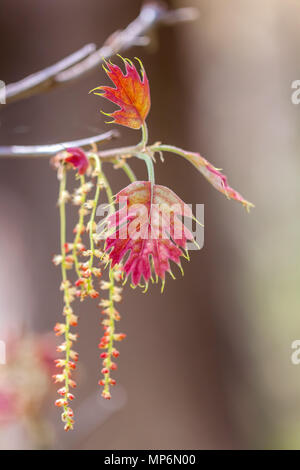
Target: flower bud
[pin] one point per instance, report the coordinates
(61, 402)
(59, 329)
(106, 395)
(119, 336)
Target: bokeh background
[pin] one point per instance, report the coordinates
(206, 365)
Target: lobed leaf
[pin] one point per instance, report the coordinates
(131, 94)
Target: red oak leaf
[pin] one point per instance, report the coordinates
(213, 175)
(131, 94)
(217, 179)
(149, 229)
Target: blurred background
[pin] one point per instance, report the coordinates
(206, 365)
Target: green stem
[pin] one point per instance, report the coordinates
(126, 168)
(191, 157)
(149, 163)
(62, 212)
(144, 136)
(111, 307)
(169, 148)
(109, 193)
(79, 228)
(93, 213)
(111, 329)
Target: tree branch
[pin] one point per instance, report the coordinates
(49, 150)
(84, 61)
(43, 80)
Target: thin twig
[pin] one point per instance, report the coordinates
(49, 150)
(43, 80)
(87, 59)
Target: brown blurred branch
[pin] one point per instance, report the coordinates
(49, 150)
(43, 80)
(87, 59)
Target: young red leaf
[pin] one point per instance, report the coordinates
(217, 179)
(78, 159)
(147, 228)
(131, 94)
(212, 174)
(74, 156)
